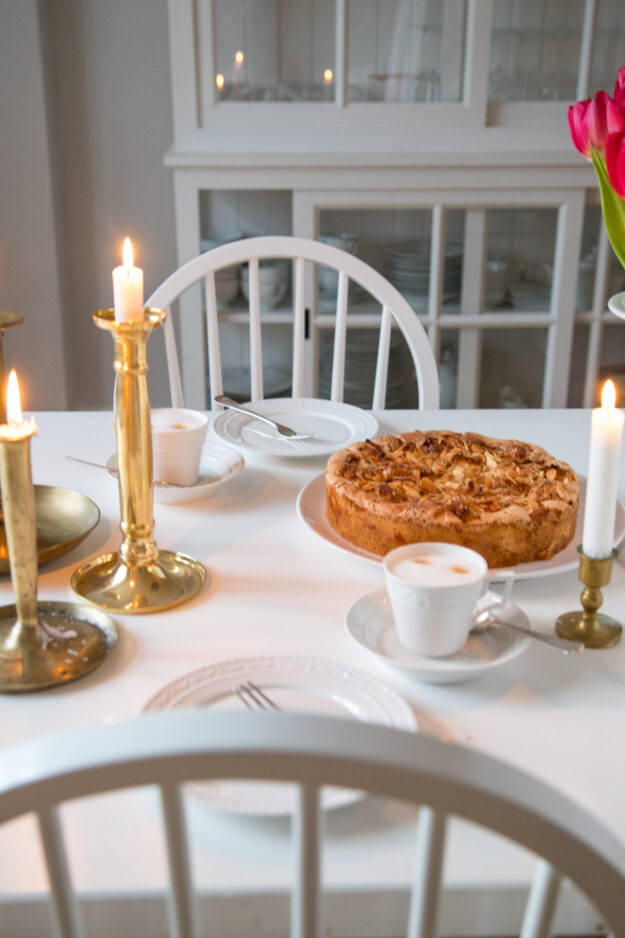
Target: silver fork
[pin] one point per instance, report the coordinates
(287, 432)
(254, 697)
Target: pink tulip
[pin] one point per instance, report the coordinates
(615, 161)
(591, 122)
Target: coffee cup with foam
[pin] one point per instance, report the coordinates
(433, 589)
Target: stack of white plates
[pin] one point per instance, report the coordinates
(360, 363)
(407, 266)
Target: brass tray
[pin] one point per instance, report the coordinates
(63, 518)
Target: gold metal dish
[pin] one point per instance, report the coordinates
(63, 519)
(67, 641)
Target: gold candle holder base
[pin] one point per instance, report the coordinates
(171, 579)
(592, 629)
(139, 578)
(68, 641)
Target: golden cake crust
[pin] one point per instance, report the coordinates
(511, 501)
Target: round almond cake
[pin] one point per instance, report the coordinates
(510, 501)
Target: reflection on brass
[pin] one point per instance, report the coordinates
(139, 578)
(7, 320)
(65, 642)
(593, 629)
(63, 519)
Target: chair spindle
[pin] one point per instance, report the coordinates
(66, 914)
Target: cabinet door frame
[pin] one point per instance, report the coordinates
(560, 318)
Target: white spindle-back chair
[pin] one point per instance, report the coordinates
(167, 749)
(394, 308)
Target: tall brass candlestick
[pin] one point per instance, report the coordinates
(47, 643)
(139, 578)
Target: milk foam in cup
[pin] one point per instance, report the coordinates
(178, 436)
(433, 589)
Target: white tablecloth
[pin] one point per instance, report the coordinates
(279, 589)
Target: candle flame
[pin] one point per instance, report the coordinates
(328, 75)
(239, 57)
(220, 80)
(128, 258)
(608, 395)
(14, 406)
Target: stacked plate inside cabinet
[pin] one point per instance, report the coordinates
(360, 363)
(407, 266)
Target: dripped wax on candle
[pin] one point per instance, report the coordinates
(603, 471)
(128, 288)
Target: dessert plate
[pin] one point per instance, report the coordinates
(333, 426)
(295, 684)
(219, 464)
(311, 509)
(370, 622)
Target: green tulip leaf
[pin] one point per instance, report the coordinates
(612, 206)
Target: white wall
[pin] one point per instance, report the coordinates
(107, 91)
(29, 282)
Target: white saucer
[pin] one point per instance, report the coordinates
(218, 465)
(370, 621)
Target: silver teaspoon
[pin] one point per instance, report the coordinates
(98, 465)
(486, 618)
(284, 431)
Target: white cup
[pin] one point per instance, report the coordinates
(433, 589)
(177, 439)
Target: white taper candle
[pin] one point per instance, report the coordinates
(603, 471)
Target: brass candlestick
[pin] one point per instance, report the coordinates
(41, 643)
(139, 578)
(594, 630)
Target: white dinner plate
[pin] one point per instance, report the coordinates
(218, 464)
(311, 509)
(370, 622)
(295, 684)
(333, 426)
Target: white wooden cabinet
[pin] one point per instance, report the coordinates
(436, 129)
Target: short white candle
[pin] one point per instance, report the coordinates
(128, 288)
(603, 470)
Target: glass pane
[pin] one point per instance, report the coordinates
(520, 247)
(579, 359)
(513, 365)
(535, 50)
(274, 50)
(448, 368)
(394, 241)
(360, 363)
(608, 53)
(406, 50)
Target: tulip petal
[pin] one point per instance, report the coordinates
(615, 162)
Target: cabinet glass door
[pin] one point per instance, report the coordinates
(406, 50)
(480, 280)
(538, 50)
(274, 50)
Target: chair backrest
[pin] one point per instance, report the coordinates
(394, 309)
(167, 749)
